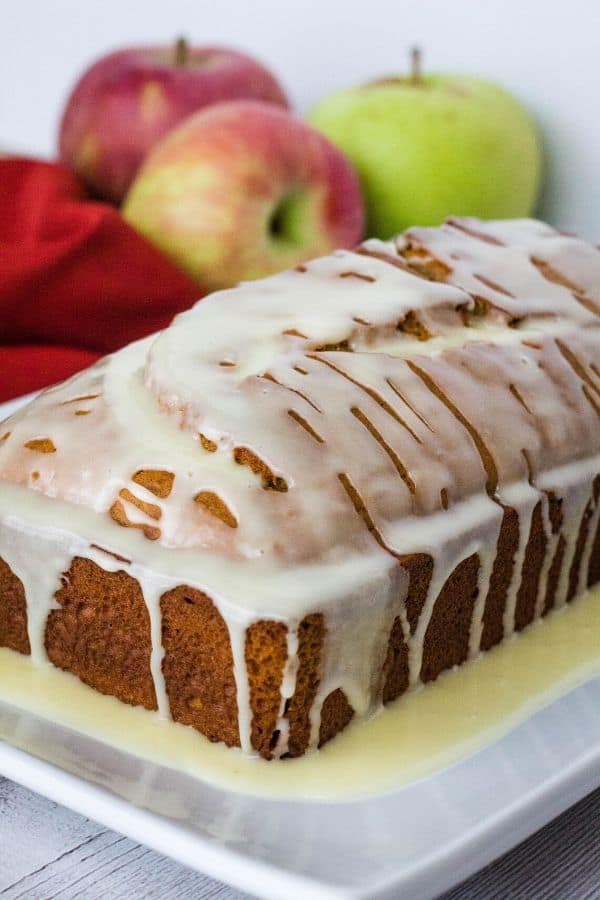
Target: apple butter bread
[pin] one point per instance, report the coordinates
(317, 491)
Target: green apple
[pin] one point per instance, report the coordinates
(429, 146)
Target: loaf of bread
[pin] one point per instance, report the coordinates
(315, 492)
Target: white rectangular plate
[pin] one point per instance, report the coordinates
(415, 841)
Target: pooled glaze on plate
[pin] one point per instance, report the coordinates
(417, 735)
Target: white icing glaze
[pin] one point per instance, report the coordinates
(382, 415)
(237, 636)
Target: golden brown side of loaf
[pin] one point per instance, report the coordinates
(101, 633)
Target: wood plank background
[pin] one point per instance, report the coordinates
(49, 852)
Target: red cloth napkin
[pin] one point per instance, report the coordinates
(76, 281)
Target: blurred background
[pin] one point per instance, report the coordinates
(546, 53)
(184, 170)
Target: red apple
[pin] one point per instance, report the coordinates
(129, 99)
(243, 189)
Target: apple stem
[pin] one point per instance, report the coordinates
(182, 50)
(415, 65)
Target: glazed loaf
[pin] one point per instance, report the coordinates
(314, 492)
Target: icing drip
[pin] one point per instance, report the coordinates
(285, 446)
(40, 580)
(587, 553)
(527, 498)
(237, 637)
(552, 547)
(576, 494)
(364, 621)
(487, 555)
(288, 686)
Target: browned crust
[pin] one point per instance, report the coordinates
(535, 553)
(158, 481)
(554, 575)
(117, 512)
(217, 507)
(411, 324)
(420, 569)
(593, 573)
(336, 713)
(446, 641)
(582, 536)
(266, 655)
(101, 633)
(396, 667)
(41, 445)
(495, 602)
(423, 263)
(150, 509)
(209, 446)
(594, 566)
(555, 512)
(311, 634)
(198, 665)
(246, 457)
(13, 612)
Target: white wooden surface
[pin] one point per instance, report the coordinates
(48, 852)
